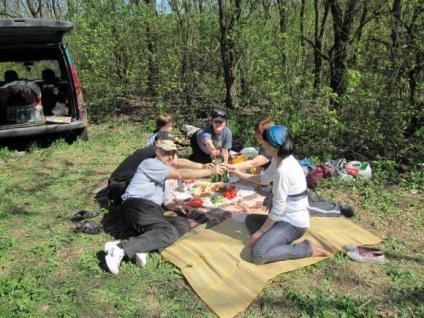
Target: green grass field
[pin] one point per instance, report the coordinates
(47, 270)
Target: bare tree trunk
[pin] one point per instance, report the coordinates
(414, 61)
(228, 52)
(153, 68)
(284, 20)
(342, 28)
(320, 28)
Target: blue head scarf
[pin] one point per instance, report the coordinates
(276, 135)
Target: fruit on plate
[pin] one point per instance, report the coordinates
(195, 202)
(218, 187)
(202, 191)
(238, 158)
(230, 193)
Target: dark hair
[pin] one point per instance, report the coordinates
(162, 121)
(48, 75)
(287, 148)
(10, 76)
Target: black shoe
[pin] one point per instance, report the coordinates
(347, 211)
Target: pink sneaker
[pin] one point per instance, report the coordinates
(366, 257)
(362, 249)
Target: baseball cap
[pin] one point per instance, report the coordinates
(164, 135)
(219, 115)
(168, 145)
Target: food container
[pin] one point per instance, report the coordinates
(238, 158)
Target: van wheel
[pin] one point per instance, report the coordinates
(83, 134)
(78, 134)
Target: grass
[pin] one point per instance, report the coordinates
(47, 270)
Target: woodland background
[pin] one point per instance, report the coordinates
(346, 76)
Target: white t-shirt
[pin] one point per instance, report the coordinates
(149, 182)
(289, 202)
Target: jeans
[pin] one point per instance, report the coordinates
(153, 230)
(275, 244)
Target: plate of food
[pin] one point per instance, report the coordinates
(201, 190)
(182, 197)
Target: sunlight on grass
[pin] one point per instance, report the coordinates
(47, 270)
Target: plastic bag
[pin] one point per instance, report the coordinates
(59, 109)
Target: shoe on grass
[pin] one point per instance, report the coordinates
(362, 249)
(114, 256)
(366, 257)
(141, 259)
(347, 211)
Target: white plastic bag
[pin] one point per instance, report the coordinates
(59, 109)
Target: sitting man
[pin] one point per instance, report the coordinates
(121, 177)
(142, 208)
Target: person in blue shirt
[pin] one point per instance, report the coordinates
(214, 140)
(143, 206)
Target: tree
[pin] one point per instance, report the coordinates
(229, 15)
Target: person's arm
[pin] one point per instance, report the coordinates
(209, 144)
(258, 161)
(252, 178)
(225, 155)
(187, 173)
(185, 163)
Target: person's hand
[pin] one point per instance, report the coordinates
(254, 238)
(216, 153)
(184, 210)
(208, 165)
(219, 169)
(234, 171)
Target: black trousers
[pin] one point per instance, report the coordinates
(197, 154)
(153, 230)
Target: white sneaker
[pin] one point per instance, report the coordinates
(114, 256)
(141, 259)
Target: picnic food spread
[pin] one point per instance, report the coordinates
(205, 193)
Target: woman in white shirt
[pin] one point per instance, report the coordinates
(288, 217)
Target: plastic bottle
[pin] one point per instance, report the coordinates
(226, 177)
(216, 177)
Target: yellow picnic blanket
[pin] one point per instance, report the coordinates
(217, 264)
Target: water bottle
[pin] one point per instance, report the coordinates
(216, 177)
(226, 176)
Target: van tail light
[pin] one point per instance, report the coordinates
(77, 85)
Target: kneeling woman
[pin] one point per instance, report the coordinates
(288, 219)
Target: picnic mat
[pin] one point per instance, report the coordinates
(217, 264)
